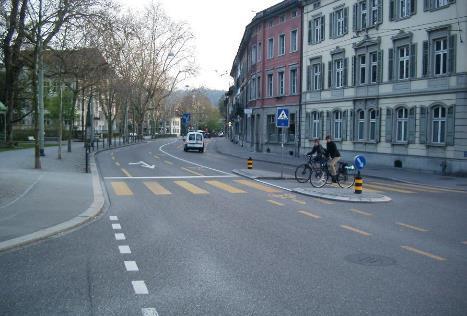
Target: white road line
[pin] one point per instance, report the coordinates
(187, 161)
(120, 236)
(113, 218)
(131, 266)
(22, 194)
(171, 177)
(149, 312)
(116, 226)
(124, 249)
(139, 287)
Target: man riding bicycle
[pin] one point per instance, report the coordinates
(334, 156)
(318, 151)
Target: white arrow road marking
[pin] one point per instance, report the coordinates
(142, 164)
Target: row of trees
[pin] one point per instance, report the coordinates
(127, 62)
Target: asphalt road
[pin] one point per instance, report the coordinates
(201, 241)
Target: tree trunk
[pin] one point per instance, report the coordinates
(60, 120)
(109, 129)
(37, 149)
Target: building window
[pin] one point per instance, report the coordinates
(270, 85)
(281, 44)
(401, 9)
(337, 130)
(293, 81)
(361, 125)
(438, 129)
(253, 55)
(281, 87)
(339, 72)
(316, 30)
(404, 8)
(260, 52)
(270, 48)
(441, 56)
(362, 65)
(272, 130)
(363, 14)
(339, 22)
(374, 7)
(291, 129)
(372, 125)
(374, 67)
(367, 13)
(293, 41)
(401, 124)
(294, 13)
(316, 68)
(437, 4)
(282, 18)
(315, 125)
(404, 62)
(258, 86)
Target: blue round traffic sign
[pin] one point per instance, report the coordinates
(360, 162)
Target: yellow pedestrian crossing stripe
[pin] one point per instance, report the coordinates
(224, 186)
(156, 188)
(257, 186)
(191, 187)
(121, 188)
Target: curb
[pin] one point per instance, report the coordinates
(382, 199)
(92, 212)
(241, 173)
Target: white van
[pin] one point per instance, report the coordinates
(194, 141)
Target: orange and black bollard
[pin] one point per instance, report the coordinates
(358, 184)
(250, 163)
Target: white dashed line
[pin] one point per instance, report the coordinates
(131, 266)
(149, 312)
(140, 287)
(116, 226)
(113, 218)
(120, 236)
(124, 249)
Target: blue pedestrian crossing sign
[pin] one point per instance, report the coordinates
(360, 162)
(282, 117)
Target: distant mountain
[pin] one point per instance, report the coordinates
(213, 95)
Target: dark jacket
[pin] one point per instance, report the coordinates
(318, 149)
(332, 151)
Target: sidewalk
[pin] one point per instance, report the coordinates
(225, 147)
(33, 202)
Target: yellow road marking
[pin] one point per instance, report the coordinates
(121, 188)
(355, 230)
(157, 157)
(423, 253)
(191, 188)
(156, 188)
(310, 214)
(365, 188)
(191, 171)
(409, 187)
(255, 185)
(412, 227)
(224, 186)
(168, 162)
(299, 201)
(324, 201)
(386, 188)
(275, 203)
(118, 164)
(360, 212)
(126, 173)
(427, 188)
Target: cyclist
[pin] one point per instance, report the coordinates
(318, 150)
(334, 157)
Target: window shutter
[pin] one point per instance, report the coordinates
(354, 70)
(351, 124)
(354, 18)
(378, 126)
(346, 66)
(391, 64)
(425, 59)
(423, 125)
(450, 126)
(412, 124)
(307, 125)
(321, 125)
(380, 66)
(331, 25)
(380, 11)
(308, 78)
(328, 124)
(344, 125)
(310, 34)
(427, 5)
(413, 61)
(392, 10)
(452, 54)
(346, 20)
(321, 77)
(323, 34)
(329, 74)
(388, 125)
(413, 7)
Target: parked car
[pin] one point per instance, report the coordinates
(194, 141)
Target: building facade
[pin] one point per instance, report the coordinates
(386, 78)
(267, 75)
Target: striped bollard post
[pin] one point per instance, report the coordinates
(358, 184)
(250, 163)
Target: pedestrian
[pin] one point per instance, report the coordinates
(334, 157)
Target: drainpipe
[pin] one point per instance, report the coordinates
(300, 112)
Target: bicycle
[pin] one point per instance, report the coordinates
(345, 175)
(303, 172)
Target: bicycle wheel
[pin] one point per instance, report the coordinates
(303, 173)
(346, 176)
(319, 177)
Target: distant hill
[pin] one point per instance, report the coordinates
(213, 95)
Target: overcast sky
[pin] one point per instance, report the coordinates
(218, 26)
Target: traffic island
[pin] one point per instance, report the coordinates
(261, 174)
